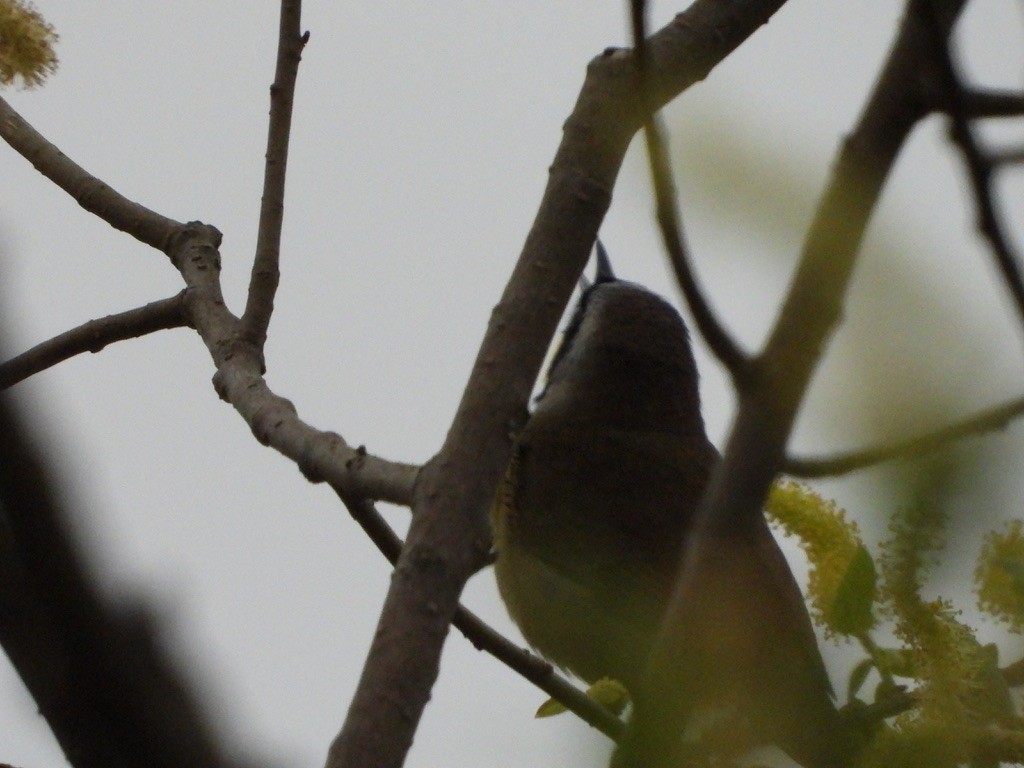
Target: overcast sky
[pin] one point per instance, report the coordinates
(422, 135)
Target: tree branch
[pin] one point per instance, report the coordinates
(192, 248)
(93, 336)
(485, 638)
(450, 535)
(88, 191)
(1007, 157)
(980, 103)
(670, 222)
(769, 400)
(322, 456)
(266, 272)
(843, 463)
(958, 103)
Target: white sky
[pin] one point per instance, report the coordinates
(422, 135)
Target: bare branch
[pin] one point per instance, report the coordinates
(88, 191)
(485, 638)
(769, 400)
(843, 463)
(670, 222)
(266, 266)
(958, 105)
(450, 535)
(323, 456)
(192, 248)
(94, 336)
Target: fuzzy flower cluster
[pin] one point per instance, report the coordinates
(26, 45)
(830, 540)
(1000, 575)
(946, 657)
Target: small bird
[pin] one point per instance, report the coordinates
(597, 504)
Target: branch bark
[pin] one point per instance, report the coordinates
(89, 192)
(266, 273)
(94, 336)
(450, 536)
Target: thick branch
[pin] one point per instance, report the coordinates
(768, 402)
(843, 463)
(88, 191)
(450, 534)
(94, 336)
(266, 266)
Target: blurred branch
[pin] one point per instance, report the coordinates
(266, 272)
(88, 191)
(100, 678)
(669, 220)
(769, 400)
(959, 102)
(842, 463)
(485, 638)
(1007, 157)
(93, 336)
(980, 102)
(450, 536)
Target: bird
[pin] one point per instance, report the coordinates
(597, 505)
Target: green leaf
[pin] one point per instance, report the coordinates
(610, 694)
(851, 612)
(550, 708)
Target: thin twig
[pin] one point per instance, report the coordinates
(89, 192)
(266, 264)
(94, 336)
(669, 221)
(843, 463)
(958, 106)
(486, 638)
